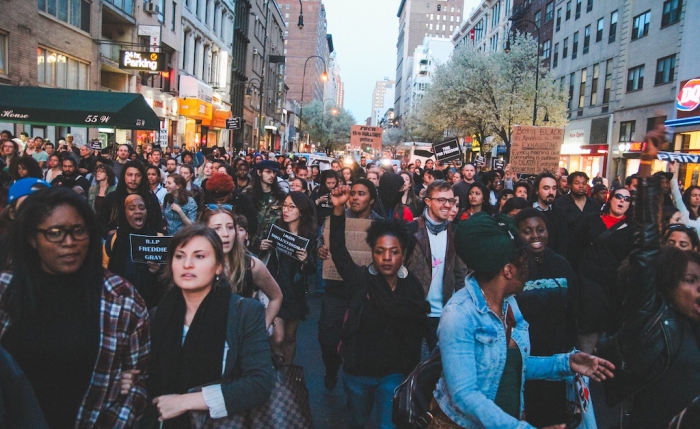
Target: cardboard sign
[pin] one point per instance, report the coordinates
(685, 158)
(286, 242)
(535, 149)
(149, 248)
(362, 136)
(447, 151)
(355, 235)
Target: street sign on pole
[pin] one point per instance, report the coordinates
(233, 123)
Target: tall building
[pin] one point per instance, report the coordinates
(382, 98)
(426, 58)
(486, 27)
(330, 88)
(419, 19)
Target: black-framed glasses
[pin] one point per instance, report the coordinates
(442, 201)
(228, 207)
(57, 234)
(626, 198)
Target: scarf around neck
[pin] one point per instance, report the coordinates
(435, 228)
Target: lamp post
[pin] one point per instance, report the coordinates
(300, 24)
(324, 77)
(333, 112)
(537, 68)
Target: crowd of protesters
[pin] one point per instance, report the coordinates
(520, 284)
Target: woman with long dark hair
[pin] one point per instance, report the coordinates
(105, 182)
(204, 336)
(72, 326)
(691, 199)
(478, 201)
(409, 198)
(22, 167)
(291, 272)
(53, 167)
(322, 195)
(179, 208)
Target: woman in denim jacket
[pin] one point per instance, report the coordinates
(484, 339)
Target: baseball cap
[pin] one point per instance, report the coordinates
(24, 187)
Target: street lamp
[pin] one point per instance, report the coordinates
(537, 68)
(301, 16)
(324, 77)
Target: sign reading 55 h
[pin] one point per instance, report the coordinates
(144, 61)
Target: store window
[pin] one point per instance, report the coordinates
(635, 78)
(61, 71)
(627, 131)
(74, 12)
(665, 68)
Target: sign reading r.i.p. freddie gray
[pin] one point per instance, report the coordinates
(447, 151)
(149, 248)
(287, 242)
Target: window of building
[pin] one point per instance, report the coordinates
(3, 53)
(206, 13)
(582, 88)
(613, 27)
(538, 17)
(431, 16)
(640, 28)
(586, 39)
(671, 12)
(546, 47)
(652, 122)
(599, 30)
(173, 17)
(549, 12)
(287, 6)
(568, 10)
(665, 68)
(608, 81)
(578, 9)
(561, 83)
(565, 46)
(452, 18)
(197, 9)
(574, 46)
(555, 58)
(558, 24)
(452, 28)
(444, 17)
(443, 27)
(589, 6)
(627, 131)
(77, 12)
(594, 84)
(496, 14)
(431, 26)
(572, 80)
(635, 78)
(439, 7)
(61, 71)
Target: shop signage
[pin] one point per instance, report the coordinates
(447, 151)
(686, 158)
(535, 149)
(688, 98)
(576, 136)
(144, 61)
(147, 248)
(286, 242)
(362, 136)
(196, 109)
(191, 87)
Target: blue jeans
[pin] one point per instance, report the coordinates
(365, 393)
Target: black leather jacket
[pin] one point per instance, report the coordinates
(651, 334)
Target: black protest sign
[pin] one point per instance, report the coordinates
(286, 242)
(447, 151)
(480, 161)
(498, 164)
(149, 248)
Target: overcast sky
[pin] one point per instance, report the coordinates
(364, 37)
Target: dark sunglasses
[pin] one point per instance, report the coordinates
(626, 198)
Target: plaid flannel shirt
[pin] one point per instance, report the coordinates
(124, 346)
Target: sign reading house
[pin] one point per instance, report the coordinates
(447, 151)
(143, 61)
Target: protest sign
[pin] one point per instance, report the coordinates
(479, 161)
(355, 235)
(498, 164)
(535, 149)
(286, 242)
(362, 136)
(149, 248)
(447, 151)
(686, 158)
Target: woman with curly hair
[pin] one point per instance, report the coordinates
(22, 167)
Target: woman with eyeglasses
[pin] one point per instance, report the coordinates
(72, 326)
(600, 244)
(245, 273)
(291, 272)
(179, 208)
(681, 236)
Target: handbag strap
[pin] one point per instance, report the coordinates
(608, 232)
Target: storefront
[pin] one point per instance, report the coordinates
(686, 128)
(166, 107)
(217, 134)
(577, 155)
(196, 112)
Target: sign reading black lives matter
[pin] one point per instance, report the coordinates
(149, 248)
(447, 151)
(287, 242)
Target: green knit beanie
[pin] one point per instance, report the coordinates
(485, 243)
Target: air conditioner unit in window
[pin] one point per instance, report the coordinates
(150, 7)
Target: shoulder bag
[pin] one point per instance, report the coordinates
(412, 398)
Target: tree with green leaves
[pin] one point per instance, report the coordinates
(487, 93)
(331, 127)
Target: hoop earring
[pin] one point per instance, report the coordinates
(403, 272)
(372, 270)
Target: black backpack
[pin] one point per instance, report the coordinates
(411, 404)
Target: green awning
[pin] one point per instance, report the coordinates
(72, 107)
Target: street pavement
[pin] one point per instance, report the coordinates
(329, 408)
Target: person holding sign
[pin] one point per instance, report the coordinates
(117, 257)
(291, 271)
(387, 316)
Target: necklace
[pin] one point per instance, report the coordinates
(501, 316)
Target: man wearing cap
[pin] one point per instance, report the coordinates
(433, 259)
(484, 338)
(599, 193)
(267, 197)
(70, 176)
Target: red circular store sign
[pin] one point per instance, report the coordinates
(688, 98)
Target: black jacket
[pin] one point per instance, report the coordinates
(574, 215)
(649, 340)
(558, 230)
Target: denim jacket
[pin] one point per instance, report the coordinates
(473, 344)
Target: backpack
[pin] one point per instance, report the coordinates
(412, 398)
